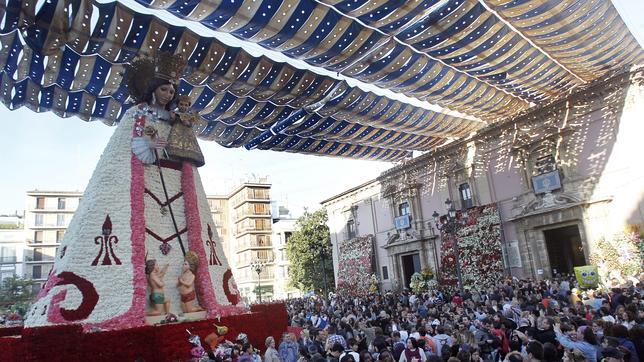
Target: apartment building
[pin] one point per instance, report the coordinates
(283, 228)
(47, 215)
(12, 241)
(243, 222)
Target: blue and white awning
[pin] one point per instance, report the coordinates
(487, 59)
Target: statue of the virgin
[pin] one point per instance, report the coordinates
(140, 204)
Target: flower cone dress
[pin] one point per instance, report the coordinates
(98, 278)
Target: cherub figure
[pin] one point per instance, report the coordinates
(186, 283)
(155, 276)
(182, 141)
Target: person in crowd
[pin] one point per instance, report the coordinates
(334, 353)
(366, 357)
(397, 346)
(430, 345)
(412, 353)
(334, 338)
(620, 332)
(288, 349)
(352, 350)
(612, 354)
(534, 351)
(303, 354)
(585, 341)
(319, 342)
(442, 340)
(512, 320)
(271, 354)
(574, 355)
(386, 356)
(248, 354)
(550, 353)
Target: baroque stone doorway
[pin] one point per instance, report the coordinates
(410, 265)
(565, 250)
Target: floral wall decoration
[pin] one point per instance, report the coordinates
(479, 243)
(355, 267)
(619, 256)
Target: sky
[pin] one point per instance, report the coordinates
(45, 152)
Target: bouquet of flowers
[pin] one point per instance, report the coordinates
(373, 288)
(224, 351)
(423, 281)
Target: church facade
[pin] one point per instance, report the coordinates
(563, 177)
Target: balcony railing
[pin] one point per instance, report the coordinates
(8, 259)
(257, 195)
(42, 242)
(251, 212)
(50, 225)
(51, 209)
(241, 229)
(265, 258)
(254, 244)
(37, 259)
(262, 276)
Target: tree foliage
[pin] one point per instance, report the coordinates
(16, 294)
(305, 249)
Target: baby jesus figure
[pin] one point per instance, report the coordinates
(182, 141)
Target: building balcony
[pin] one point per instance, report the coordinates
(251, 214)
(47, 226)
(252, 198)
(254, 245)
(263, 277)
(51, 210)
(42, 243)
(8, 259)
(245, 229)
(265, 259)
(42, 259)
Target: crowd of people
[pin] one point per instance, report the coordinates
(517, 320)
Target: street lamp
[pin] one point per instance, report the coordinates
(257, 267)
(451, 227)
(322, 247)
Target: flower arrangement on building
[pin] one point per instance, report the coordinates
(423, 281)
(480, 255)
(621, 255)
(355, 266)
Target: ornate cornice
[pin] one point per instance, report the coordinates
(597, 88)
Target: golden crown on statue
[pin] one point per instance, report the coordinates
(169, 66)
(161, 65)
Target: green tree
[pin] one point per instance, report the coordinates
(306, 249)
(16, 294)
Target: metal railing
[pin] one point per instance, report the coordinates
(8, 259)
(45, 258)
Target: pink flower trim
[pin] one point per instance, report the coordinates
(204, 287)
(205, 292)
(53, 312)
(51, 282)
(136, 315)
